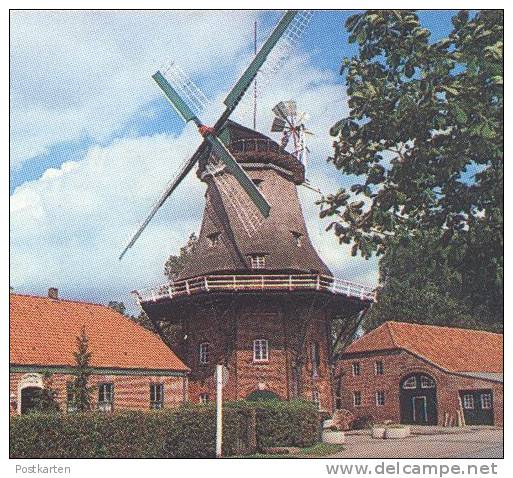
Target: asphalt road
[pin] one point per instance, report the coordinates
(472, 444)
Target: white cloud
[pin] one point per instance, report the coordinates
(69, 226)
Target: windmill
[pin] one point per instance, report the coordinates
(290, 123)
(289, 29)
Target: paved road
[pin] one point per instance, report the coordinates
(473, 444)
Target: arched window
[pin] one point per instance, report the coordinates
(410, 383)
(204, 353)
(426, 382)
(260, 350)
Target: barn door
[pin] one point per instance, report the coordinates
(477, 406)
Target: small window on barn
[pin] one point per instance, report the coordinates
(257, 261)
(260, 350)
(486, 401)
(426, 382)
(378, 367)
(357, 398)
(213, 239)
(204, 353)
(298, 238)
(156, 395)
(204, 398)
(356, 369)
(105, 397)
(380, 398)
(410, 383)
(468, 401)
(316, 397)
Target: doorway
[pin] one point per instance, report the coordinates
(418, 401)
(28, 398)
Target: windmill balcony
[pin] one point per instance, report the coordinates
(255, 144)
(255, 283)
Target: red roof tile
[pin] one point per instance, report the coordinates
(43, 331)
(453, 349)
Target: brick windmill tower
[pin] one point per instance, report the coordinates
(255, 295)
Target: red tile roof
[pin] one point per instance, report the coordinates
(453, 349)
(43, 331)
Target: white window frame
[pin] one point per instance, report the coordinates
(213, 239)
(316, 397)
(258, 261)
(356, 369)
(70, 404)
(204, 353)
(427, 382)
(204, 398)
(468, 401)
(260, 350)
(410, 383)
(298, 238)
(357, 393)
(156, 389)
(380, 398)
(316, 358)
(379, 367)
(105, 401)
(486, 403)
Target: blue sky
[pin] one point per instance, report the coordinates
(93, 141)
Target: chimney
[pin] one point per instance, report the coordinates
(53, 293)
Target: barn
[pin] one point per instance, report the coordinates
(423, 374)
(131, 367)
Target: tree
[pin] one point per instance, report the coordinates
(117, 306)
(175, 264)
(45, 399)
(81, 390)
(423, 142)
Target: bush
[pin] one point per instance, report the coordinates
(363, 422)
(185, 432)
(282, 423)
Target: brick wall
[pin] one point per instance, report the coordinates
(398, 364)
(231, 335)
(131, 392)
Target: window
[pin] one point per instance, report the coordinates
(357, 398)
(260, 350)
(410, 383)
(356, 369)
(298, 238)
(70, 397)
(316, 359)
(378, 367)
(156, 395)
(204, 398)
(486, 401)
(468, 401)
(426, 382)
(316, 397)
(258, 182)
(213, 239)
(258, 261)
(105, 396)
(204, 353)
(380, 398)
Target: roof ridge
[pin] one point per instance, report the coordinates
(390, 331)
(416, 324)
(43, 297)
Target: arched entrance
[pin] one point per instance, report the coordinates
(418, 399)
(259, 395)
(28, 395)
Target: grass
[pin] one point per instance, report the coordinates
(317, 450)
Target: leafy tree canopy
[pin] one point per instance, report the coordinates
(175, 264)
(117, 306)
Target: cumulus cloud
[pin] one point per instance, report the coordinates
(69, 226)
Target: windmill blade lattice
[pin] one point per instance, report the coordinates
(229, 188)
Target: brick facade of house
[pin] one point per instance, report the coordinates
(396, 365)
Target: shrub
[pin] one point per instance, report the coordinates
(283, 423)
(363, 422)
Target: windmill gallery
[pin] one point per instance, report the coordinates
(254, 296)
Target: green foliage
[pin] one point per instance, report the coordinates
(423, 142)
(81, 390)
(282, 423)
(45, 399)
(362, 423)
(188, 431)
(117, 306)
(175, 264)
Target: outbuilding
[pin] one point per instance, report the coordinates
(423, 374)
(131, 367)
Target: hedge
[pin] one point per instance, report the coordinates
(184, 432)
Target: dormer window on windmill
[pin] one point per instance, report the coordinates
(213, 239)
(258, 261)
(298, 238)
